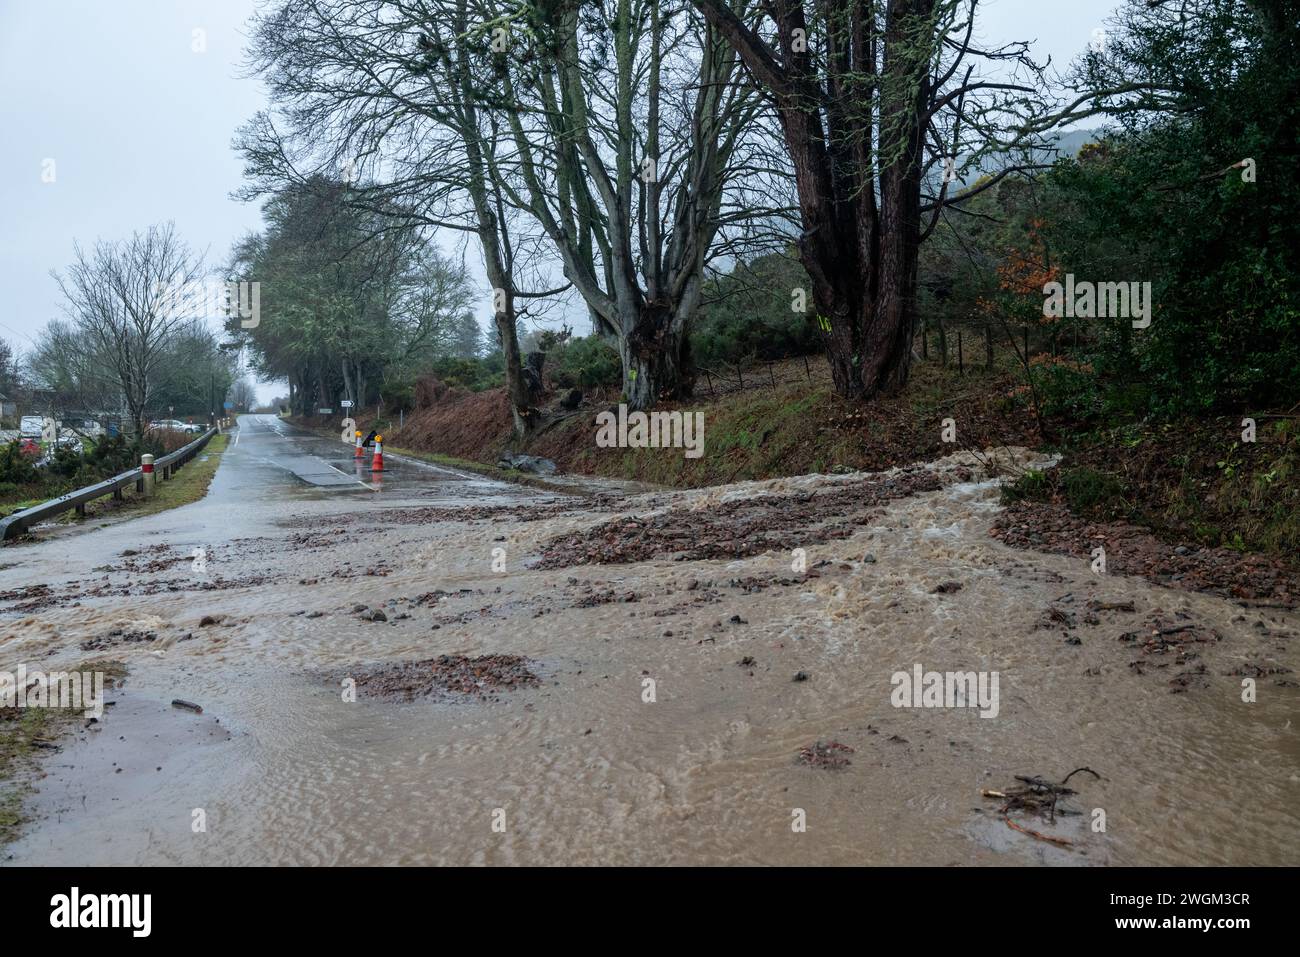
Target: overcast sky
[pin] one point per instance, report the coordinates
(136, 103)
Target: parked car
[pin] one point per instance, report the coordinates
(70, 442)
(29, 447)
(170, 425)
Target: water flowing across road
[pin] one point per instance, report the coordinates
(675, 697)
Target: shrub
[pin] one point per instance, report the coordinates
(1089, 490)
(15, 467)
(586, 363)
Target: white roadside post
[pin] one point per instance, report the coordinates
(146, 475)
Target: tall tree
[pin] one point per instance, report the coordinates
(351, 300)
(641, 156)
(882, 110)
(389, 92)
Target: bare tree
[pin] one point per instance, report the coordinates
(386, 93)
(242, 395)
(636, 148)
(126, 300)
(883, 108)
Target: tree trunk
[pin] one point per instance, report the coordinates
(522, 399)
(656, 361)
(860, 255)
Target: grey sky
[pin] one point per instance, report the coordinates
(139, 127)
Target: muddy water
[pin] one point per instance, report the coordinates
(583, 769)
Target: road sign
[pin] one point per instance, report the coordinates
(326, 411)
(346, 403)
(227, 406)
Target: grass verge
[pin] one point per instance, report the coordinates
(26, 734)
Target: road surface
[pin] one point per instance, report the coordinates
(710, 710)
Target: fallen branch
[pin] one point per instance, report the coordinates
(1062, 842)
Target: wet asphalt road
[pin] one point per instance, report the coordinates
(269, 472)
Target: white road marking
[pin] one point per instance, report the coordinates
(343, 473)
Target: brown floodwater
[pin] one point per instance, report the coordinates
(582, 769)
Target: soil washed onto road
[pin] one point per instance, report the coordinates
(388, 665)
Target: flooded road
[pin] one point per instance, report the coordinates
(674, 697)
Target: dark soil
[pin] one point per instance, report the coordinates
(1132, 550)
(445, 676)
(737, 528)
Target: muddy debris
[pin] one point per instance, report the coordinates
(609, 596)
(738, 528)
(828, 755)
(1132, 550)
(445, 676)
(183, 705)
(1035, 795)
(1163, 642)
(118, 636)
(751, 584)
(29, 598)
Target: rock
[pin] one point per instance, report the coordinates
(359, 608)
(315, 614)
(211, 620)
(869, 559)
(801, 676)
(378, 615)
(186, 705)
(571, 400)
(526, 463)
(945, 588)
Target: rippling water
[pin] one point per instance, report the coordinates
(583, 769)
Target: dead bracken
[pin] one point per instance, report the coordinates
(1132, 550)
(829, 755)
(444, 676)
(738, 528)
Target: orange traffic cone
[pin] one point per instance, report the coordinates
(360, 452)
(377, 463)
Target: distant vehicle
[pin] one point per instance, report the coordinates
(172, 425)
(30, 425)
(70, 442)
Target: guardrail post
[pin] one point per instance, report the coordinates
(146, 475)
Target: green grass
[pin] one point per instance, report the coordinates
(188, 485)
(482, 468)
(750, 435)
